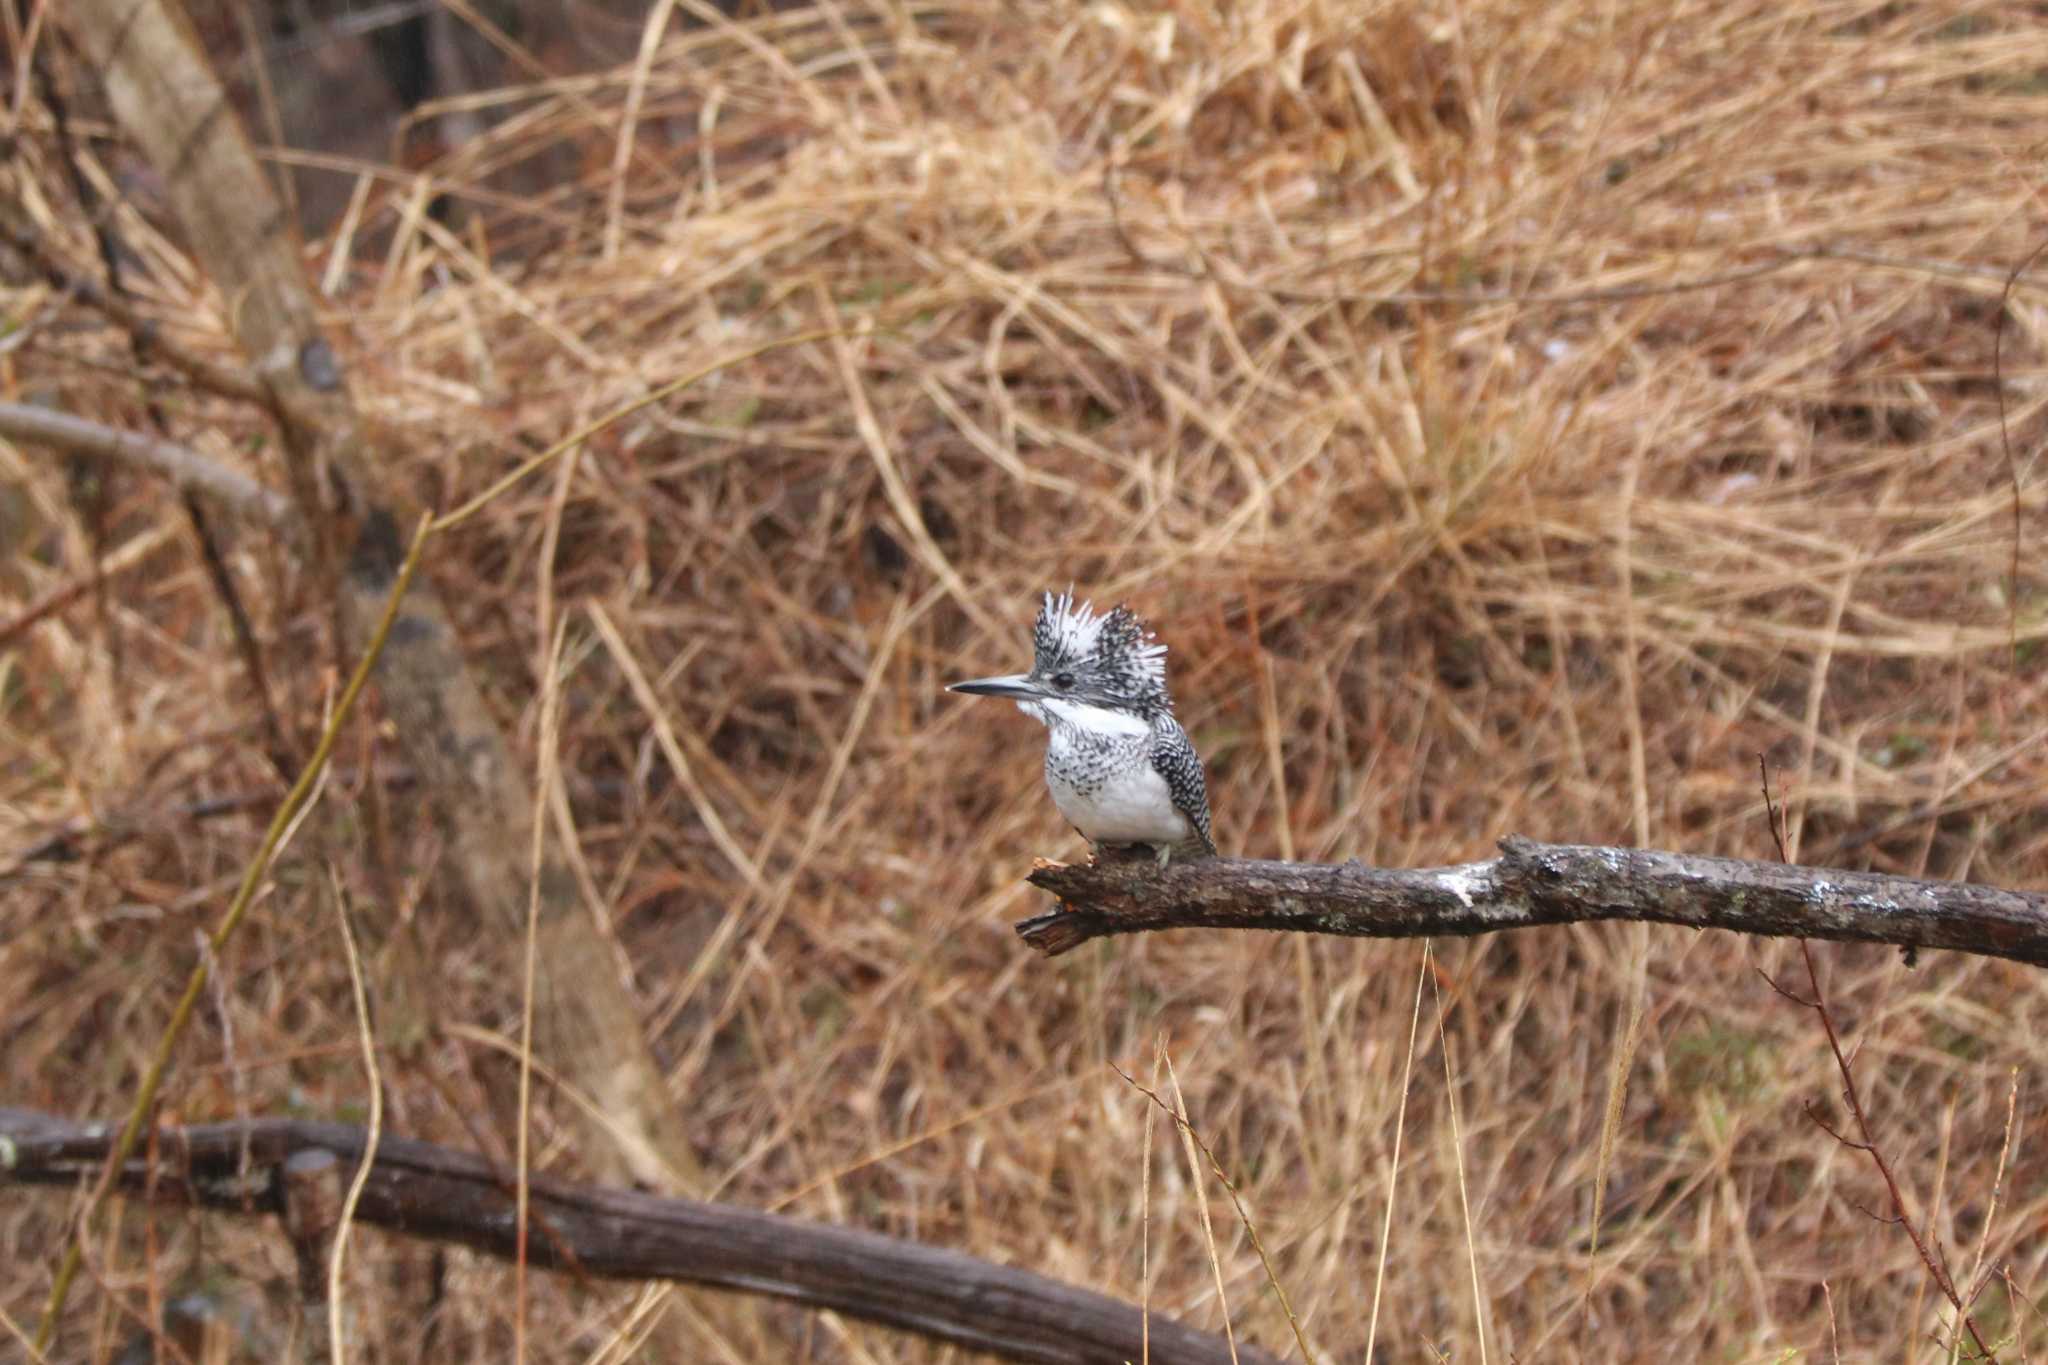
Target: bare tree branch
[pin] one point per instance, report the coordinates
(1533, 884)
(185, 468)
(445, 1195)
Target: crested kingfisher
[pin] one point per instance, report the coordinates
(1121, 769)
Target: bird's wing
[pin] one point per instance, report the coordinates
(1175, 759)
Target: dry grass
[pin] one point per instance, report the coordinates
(1433, 570)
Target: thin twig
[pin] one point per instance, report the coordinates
(1774, 815)
(21, 1338)
(184, 467)
(2012, 464)
(374, 1078)
(547, 773)
(245, 895)
(1868, 1145)
(1178, 1114)
(1379, 1279)
(1983, 1274)
(1145, 1221)
(1866, 1141)
(1479, 1301)
(1201, 1189)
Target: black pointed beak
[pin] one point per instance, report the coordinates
(1017, 686)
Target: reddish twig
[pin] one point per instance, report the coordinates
(1937, 1266)
(1774, 814)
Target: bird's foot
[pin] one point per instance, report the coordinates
(1194, 850)
(1101, 853)
(1166, 855)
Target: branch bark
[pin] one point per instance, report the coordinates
(1533, 884)
(445, 1195)
(184, 468)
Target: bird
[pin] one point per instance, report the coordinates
(1119, 766)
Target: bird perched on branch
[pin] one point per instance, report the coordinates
(1120, 767)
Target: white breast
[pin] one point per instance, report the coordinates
(1133, 806)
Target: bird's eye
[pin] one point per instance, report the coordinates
(1063, 681)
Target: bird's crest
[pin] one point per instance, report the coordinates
(1112, 656)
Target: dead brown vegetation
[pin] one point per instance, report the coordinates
(1286, 323)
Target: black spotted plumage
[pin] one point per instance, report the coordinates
(1174, 758)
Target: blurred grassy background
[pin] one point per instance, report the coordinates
(1516, 417)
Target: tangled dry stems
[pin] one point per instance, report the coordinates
(1431, 571)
